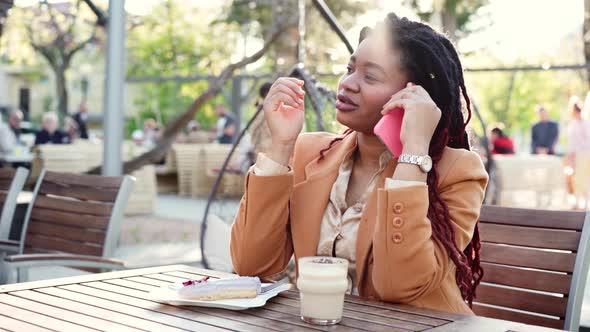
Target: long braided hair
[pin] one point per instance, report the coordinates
(429, 59)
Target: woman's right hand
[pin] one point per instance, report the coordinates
(283, 111)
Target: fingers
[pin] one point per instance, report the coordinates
(285, 97)
(393, 104)
(285, 107)
(292, 83)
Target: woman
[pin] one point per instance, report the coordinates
(578, 148)
(410, 235)
(501, 144)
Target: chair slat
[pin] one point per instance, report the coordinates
(72, 179)
(39, 243)
(68, 233)
(6, 175)
(517, 316)
(530, 237)
(5, 184)
(522, 300)
(79, 192)
(69, 219)
(570, 220)
(530, 279)
(526, 257)
(92, 208)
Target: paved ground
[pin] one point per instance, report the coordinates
(171, 236)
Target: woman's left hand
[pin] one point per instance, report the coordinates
(420, 118)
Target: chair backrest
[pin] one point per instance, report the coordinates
(76, 214)
(11, 184)
(535, 265)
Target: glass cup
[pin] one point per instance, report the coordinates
(322, 283)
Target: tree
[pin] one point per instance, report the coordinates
(56, 32)
(454, 15)
(175, 40)
(173, 127)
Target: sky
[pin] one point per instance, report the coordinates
(519, 28)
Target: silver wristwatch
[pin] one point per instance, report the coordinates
(424, 162)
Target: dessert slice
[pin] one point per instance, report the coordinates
(211, 290)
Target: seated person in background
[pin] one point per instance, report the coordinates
(149, 135)
(226, 125)
(50, 134)
(72, 129)
(194, 133)
(501, 144)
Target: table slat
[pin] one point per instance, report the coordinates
(110, 301)
(89, 314)
(129, 295)
(11, 324)
(27, 299)
(119, 313)
(36, 318)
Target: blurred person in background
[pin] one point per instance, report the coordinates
(50, 134)
(544, 133)
(80, 118)
(578, 153)
(226, 125)
(194, 133)
(501, 144)
(10, 132)
(72, 129)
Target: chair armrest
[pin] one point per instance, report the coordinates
(9, 246)
(36, 260)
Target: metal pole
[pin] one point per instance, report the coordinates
(113, 90)
(301, 27)
(236, 101)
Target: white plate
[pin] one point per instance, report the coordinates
(168, 295)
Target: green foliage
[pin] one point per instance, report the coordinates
(515, 108)
(175, 40)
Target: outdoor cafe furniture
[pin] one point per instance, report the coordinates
(198, 167)
(535, 265)
(84, 155)
(11, 185)
(120, 301)
(73, 220)
(531, 181)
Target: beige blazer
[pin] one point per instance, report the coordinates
(397, 258)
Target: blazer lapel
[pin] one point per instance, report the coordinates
(364, 240)
(310, 197)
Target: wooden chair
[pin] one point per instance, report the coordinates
(535, 266)
(11, 184)
(73, 221)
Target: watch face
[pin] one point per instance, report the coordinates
(426, 164)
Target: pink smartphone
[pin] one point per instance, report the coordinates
(388, 129)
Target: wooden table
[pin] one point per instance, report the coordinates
(118, 301)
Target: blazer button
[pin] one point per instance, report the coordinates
(397, 238)
(358, 207)
(398, 222)
(398, 208)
